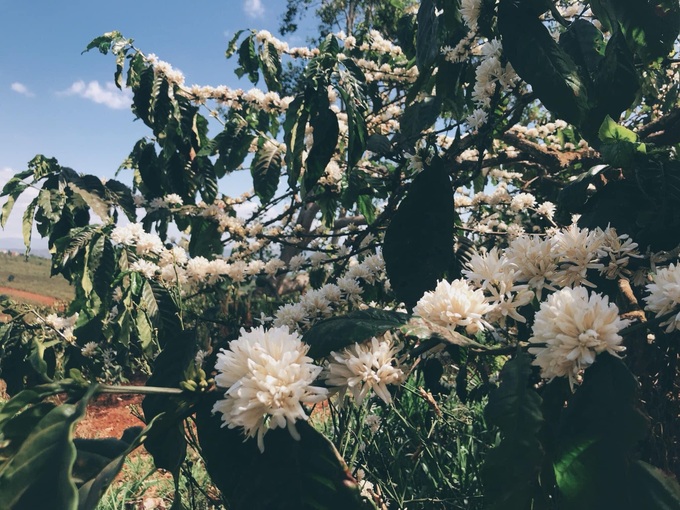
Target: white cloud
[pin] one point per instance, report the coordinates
(22, 89)
(253, 8)
(109, 95)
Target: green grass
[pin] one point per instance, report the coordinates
(139, 482)
(33, 275)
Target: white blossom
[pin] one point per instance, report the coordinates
(453, 305)
(664, 295)
(362, 367)
(267, 377)
(571, 328)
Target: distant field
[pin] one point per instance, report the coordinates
(32, 275)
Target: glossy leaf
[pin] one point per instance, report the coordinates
(326, 130)
(334, 333)
(304, 474)
(419, 241)
(585, 45)
(515, 408)
(99, 461)
(539, 61)
(266, 169)
(599, 430)
(427, 47)
(650, 28)
(653, 488)
(294, 127)
(42, 465)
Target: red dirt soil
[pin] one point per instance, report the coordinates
(109, 416)
(32, 297)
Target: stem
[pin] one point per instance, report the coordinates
(140, 390)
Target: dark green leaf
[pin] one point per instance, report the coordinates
(326, 131)
(14, 188)
(271, 67)
(600, 428)
(294, 127)
(418, 117)
(616, 81)
(539, 61)
(427, 46)
(103, 42)
(650, 28)
(205, 238)
(419, 241)
(27, 222)
(98, 463)
(653, 488)
(304, 474)
(247, 59)
(585, 45)
(266, 169)
(166, 441)
(42, 465)
(337, 332)
(515, 408)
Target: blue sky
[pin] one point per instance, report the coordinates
(57, 102)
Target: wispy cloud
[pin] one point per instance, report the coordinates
(108, 95)
(22, 89)
(253, 8)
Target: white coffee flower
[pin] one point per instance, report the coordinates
(145, 268)
(535, 261)
(362, 367)
(268, 377)
(664, 295)
(290, 315)
(454, 304)
(574, 327)
(89, 349)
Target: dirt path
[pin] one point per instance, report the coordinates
(32, 297)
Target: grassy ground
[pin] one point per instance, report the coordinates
(32, 275)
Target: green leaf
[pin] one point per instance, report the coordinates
(585, 45)
(334, 333)
(206, 239)
(650, 28)
(27, 222)
(418, 246)
(42, 465)
(271, 67)
(294, 127)
(326, 130)
(540, 62)
(357, 133)
(99, 461)
(616, 81)
(304, 474)
(653, 488)
(166, 441)
(599, 430)
(41, 167)
(103, 42)
(427, 47)
(160, 308)
(14, 188)
(145, 331)
(266, 169)
(418, 117)
(248, 61)
(620, 145)
(515, 408)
